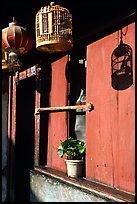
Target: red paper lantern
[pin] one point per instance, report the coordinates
(16, 40)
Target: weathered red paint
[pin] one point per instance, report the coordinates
(110, 128)
(57, 129)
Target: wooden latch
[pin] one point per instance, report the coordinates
(88, 107)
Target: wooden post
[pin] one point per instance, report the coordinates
(11, 138)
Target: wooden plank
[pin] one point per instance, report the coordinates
(125, 145)
(57, 127)
(87, 107)
(110, 129)
(99, 165)
(11, 137)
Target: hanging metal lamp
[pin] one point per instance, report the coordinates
(53, 29)
(16, 40)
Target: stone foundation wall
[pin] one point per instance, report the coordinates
(45, 188)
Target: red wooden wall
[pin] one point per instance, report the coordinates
(110, 128)
(57, 128)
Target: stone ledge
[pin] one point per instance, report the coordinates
(100, 191)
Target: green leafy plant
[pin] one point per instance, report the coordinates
(73, 149)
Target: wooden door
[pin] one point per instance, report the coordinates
(110, 128)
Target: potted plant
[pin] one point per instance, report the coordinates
(74, 152)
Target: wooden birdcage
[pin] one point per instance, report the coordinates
(53, 29)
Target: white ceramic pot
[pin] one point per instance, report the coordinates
(75, 168)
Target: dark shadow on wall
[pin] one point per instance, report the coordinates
(21, 155)
(24, 147)
(122, 67)
(76, 80)
(46, 72)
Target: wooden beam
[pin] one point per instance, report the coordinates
(87, 107)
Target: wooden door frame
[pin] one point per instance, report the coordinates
(13, 79)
